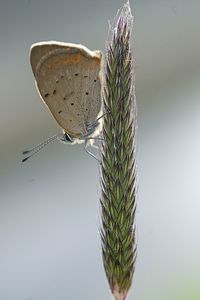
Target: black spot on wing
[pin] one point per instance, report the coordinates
(68, 95)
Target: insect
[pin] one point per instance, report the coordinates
(68, 78)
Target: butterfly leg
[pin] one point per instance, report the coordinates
(107, 112)
(96, 122)
(90, 153)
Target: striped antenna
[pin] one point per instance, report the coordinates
(36, 149)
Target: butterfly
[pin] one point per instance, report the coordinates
(69, 81)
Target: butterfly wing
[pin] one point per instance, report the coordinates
(67, 77)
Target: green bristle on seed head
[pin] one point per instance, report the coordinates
(118, 168)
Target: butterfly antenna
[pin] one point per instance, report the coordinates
(39, 147)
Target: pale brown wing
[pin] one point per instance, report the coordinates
(91, 92)
(67, 77)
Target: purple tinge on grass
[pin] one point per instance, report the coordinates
(118, 167)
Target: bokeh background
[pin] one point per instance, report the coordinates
(49, 206)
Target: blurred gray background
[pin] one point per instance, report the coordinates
(49, 207)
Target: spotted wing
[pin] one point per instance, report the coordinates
(67, 77)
